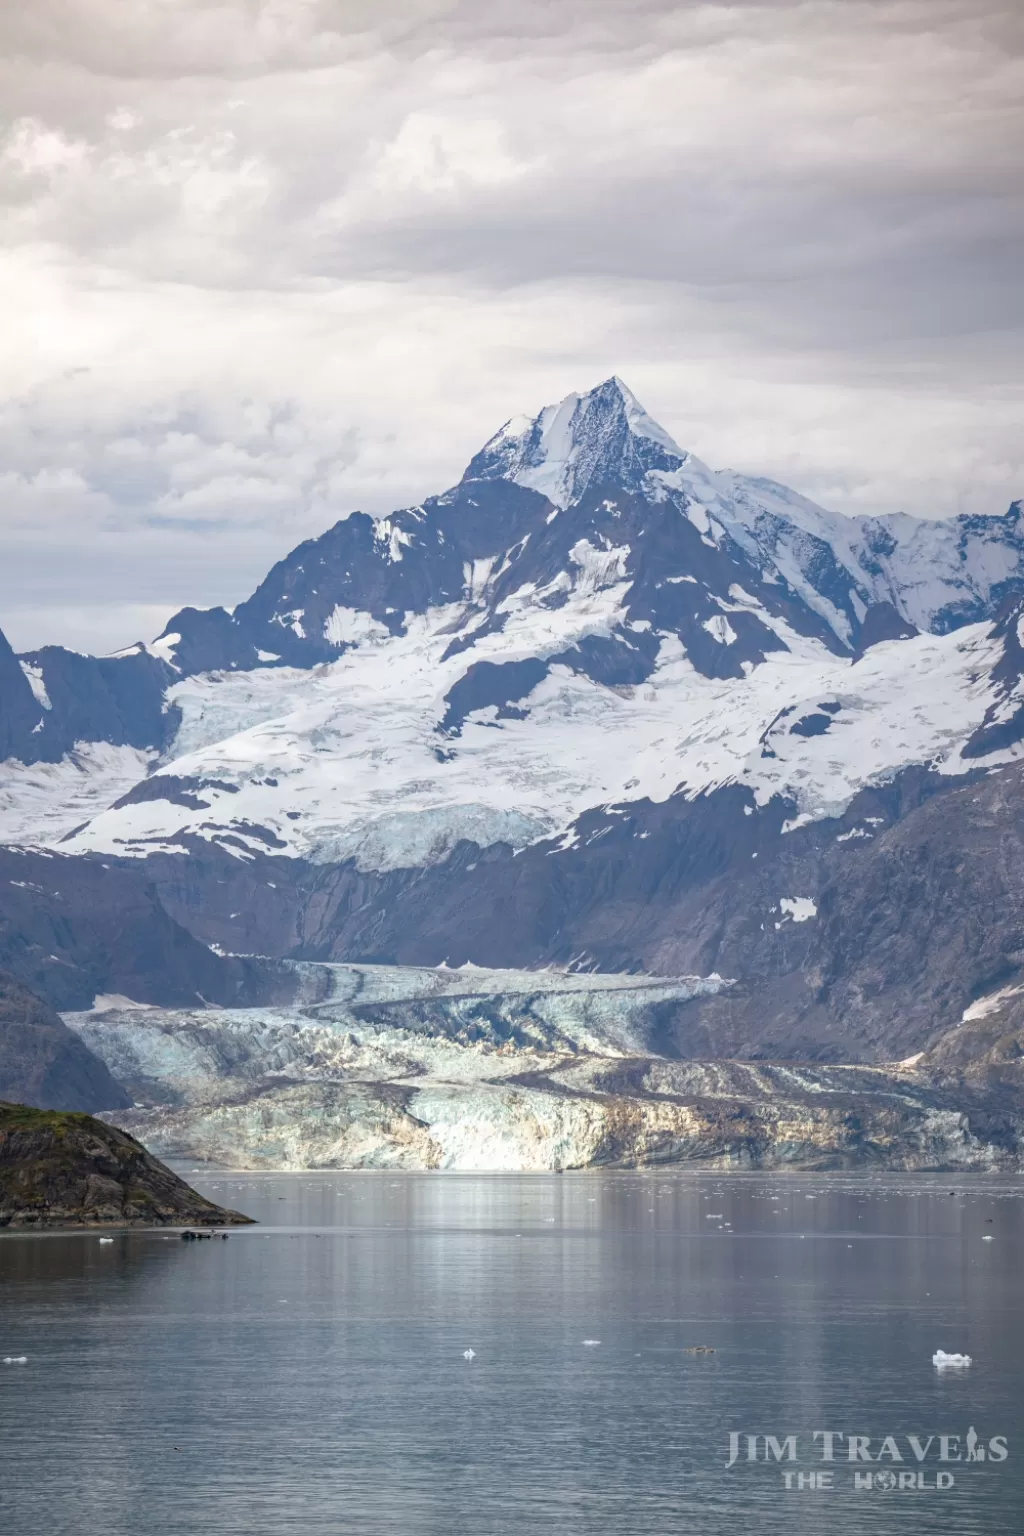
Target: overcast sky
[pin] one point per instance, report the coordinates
(264, 263)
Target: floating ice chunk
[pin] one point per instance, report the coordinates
(106, 1239)
(15, 1359)
(944, 1361)
(590, 1343)
(469, 1354)
(987, 1238)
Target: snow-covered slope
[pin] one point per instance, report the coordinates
(350, 760)
(937, 574)
(591, 617)
(42, 802)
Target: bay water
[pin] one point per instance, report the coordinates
(581, 1354)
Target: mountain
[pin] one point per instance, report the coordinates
(54, 699)
(596, 706)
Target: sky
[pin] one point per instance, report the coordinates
(262, 264)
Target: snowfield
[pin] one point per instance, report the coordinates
(40, 803)
(346, 760)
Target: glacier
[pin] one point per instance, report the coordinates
(474, 1069)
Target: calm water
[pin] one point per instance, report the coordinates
(308, 1375)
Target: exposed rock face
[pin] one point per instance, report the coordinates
(69, 1170)
(20, 712)
(44, 1063)
(71, 928)
(881, 622)
(475, 1070)
(53, 698)
(985, 1051)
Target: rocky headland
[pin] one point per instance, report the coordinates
(64, 1169)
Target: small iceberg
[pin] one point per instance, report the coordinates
(15, 1359)
(469, 1354)
(943, 1361)
(106, 1239)
(590, 1343)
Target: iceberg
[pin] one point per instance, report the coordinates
(942, 1361)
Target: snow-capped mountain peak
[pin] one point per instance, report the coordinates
(603, 436)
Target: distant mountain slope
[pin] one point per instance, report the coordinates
(53, 699)
(401, 750)
(71, 928)
(43, 1063)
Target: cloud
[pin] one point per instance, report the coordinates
(264, 262)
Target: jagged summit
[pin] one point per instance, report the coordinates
(603, 436)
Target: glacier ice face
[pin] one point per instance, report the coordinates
(419, 1068)
(395, 1067)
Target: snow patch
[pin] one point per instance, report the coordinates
(720, 629)
(163, 648)
(391, 539)
(983, 1006)
(42, 802)
(599, 568)
(34, 677)
(350, 626)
